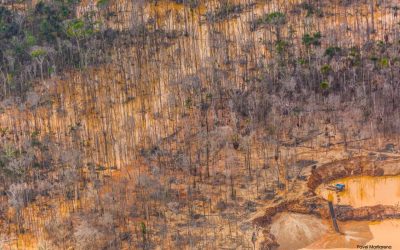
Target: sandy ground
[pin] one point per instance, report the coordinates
(294, 231)
(353, 233)
(364, 233)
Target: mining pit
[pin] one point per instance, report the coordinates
(367, 210)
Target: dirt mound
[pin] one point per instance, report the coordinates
(294, 231)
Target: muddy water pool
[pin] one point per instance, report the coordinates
(364, 191)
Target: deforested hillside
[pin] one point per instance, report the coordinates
(197, 124)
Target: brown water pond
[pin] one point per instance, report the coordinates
(365, 191)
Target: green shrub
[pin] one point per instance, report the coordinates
(38, 53)
(324, 85)
(332, 51)
(325, 69)
(188, 103)
(384, 62)
(314, 39)
(281, 46)
(274, 18)
(30, 40)
(102, 3)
